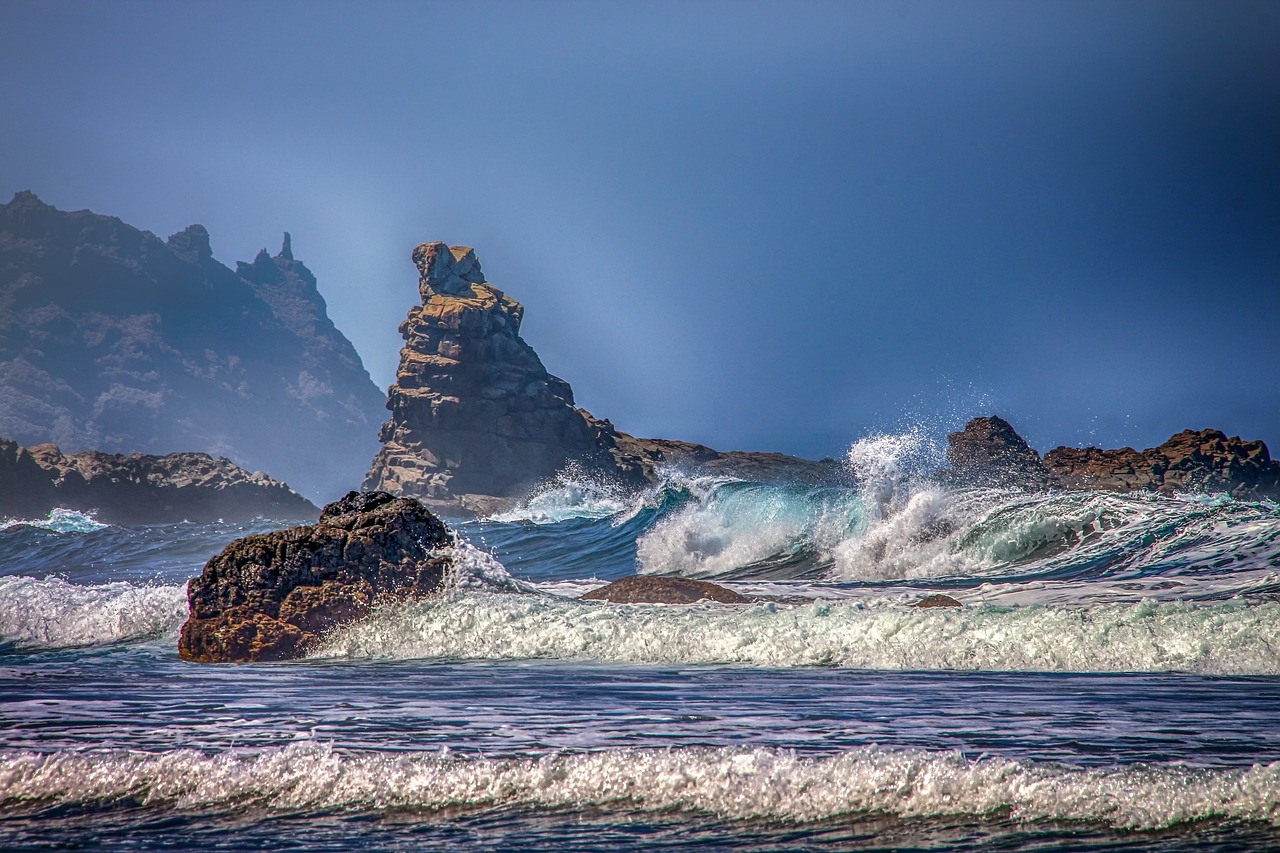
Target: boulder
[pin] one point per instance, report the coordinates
(139, 488)
(651, 589)
(937, 600)
(271, 596)
(989, 452)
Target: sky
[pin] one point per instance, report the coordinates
(768, 226)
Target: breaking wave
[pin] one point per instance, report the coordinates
(59, 520)
(727, 782)
(1232, 637)
(51, 613)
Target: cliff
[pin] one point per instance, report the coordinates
(139, 489)
(989, 451)
(113, 339)
(476, 418)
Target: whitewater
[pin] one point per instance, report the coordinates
(1112, 678)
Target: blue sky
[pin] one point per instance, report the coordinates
(757, 225)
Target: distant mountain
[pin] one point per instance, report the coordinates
(114, 340)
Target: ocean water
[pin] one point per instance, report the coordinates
(1112, 682)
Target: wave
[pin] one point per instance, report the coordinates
(58, 520)
(51, 613)
(1233, 637)
(732, 783)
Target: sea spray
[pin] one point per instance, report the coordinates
(52, 613)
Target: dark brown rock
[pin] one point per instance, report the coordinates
(1192, 460)
(937, 600)
(988, 452)
(272, 596)
(651, 589)
(139, 489)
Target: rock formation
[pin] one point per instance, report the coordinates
(1191, 461)
(113, 339)
(989, 452)
(139, 489)
(476, 418)
(272, 596)
(654, 589)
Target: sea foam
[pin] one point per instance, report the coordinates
(51, 613)
(1224, 638)
(728, 782)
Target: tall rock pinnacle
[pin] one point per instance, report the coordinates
(473, 410)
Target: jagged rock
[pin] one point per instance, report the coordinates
(476, 419)
(651, 589)
(989, 452)
(937, 600)
(473, 410)
(139, 489)
(1192, 460)
(113, 339)
(272, 596)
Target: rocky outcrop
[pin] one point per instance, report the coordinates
(1191, 461)
(989, 452)
(139, 489)
(473, 410)
(272, 596)
(653, 589)
(937, 600)
(477, 420)
(113, 339)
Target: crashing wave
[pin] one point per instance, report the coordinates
(1231, 637)
(59, 520)
(51, 613)
(732, 783)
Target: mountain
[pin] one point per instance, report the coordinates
(115, 340)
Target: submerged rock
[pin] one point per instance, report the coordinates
(937, 600)
(139, 488)
(271, 596)
(649, 589)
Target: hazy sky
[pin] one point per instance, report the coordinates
(757, 225)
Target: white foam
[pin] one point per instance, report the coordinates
(52, 613)
(727, 782)
(60, 520)
(1226, 638)
(574, 493)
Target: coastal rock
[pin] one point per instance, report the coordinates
(651, 589)
(271, 596)
(476, 419)
(989, 452)
(113, 339)
(1193, 460)
(473, 410)
(937, 600)
(139, 489)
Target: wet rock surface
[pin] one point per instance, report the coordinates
(651, 589)
(271, 596)
(139, 488)
(937, 600)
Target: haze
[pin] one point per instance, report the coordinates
(772, 226)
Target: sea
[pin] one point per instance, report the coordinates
(1111, 682)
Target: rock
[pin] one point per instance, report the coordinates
(476, 419)
(988, 452)
(272, 596)
(113, 339)
(139, 489)
(651, 589)
(1193, 460)
(937, 600)
(473, 410)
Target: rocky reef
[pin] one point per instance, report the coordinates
(476, 419)
(988, 450)
(272, 596)
(113, 339)
(139, 489)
